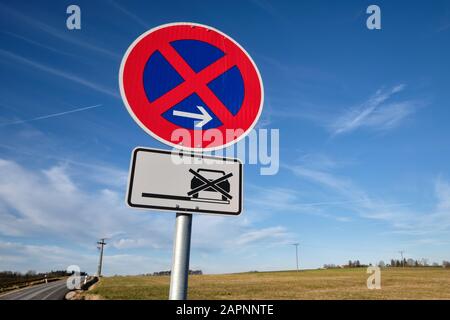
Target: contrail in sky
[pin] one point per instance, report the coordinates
(59, 73)
(50, 115)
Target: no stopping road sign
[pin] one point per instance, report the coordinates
(192, 77)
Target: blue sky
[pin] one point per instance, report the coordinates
(363, 119)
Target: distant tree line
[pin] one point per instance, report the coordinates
(355, 264)
(394, 263)
(167, 273)
(411, 263)
(350, 264)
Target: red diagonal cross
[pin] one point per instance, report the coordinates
(194, 83)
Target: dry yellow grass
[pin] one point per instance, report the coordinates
(397, 283)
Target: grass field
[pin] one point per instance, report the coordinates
(396, 283)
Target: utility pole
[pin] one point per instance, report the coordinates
(101, 244)
(296, 253)
(401, 252)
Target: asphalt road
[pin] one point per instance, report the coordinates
(47, 291)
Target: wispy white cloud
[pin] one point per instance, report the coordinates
(401, 216)
(19, 256)
(48, 116)
(374, 113)
(50, 203)
(438, 219)
(56, 204)
(276, 199)
(132, 264)
(59, 73)
(57, 33)
(443, 27)
(354, 196)
(269, 8)
(130, 14)
(324, 178)
(297, 72)
(102, 174)
(390, 115)
(442, 189)
(37, 44)
(265, 120)
(41, 258)
(234, 235)
(385, 110)
(272, 234)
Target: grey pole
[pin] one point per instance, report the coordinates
(100, 262)
(180, 258)
(401, 252)
(99, 271)
(296, 253)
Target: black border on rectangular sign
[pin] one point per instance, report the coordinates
(179, 209)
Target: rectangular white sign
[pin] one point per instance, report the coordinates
(185, 182)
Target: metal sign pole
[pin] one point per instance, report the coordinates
(180, 258)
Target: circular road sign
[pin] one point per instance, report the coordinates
(192, 77)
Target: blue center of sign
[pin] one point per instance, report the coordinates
(160, 77)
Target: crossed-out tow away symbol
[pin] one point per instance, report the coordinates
(210, 184)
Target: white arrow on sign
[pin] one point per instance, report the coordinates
(204, 116)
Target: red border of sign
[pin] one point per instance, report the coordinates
(135, 99)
